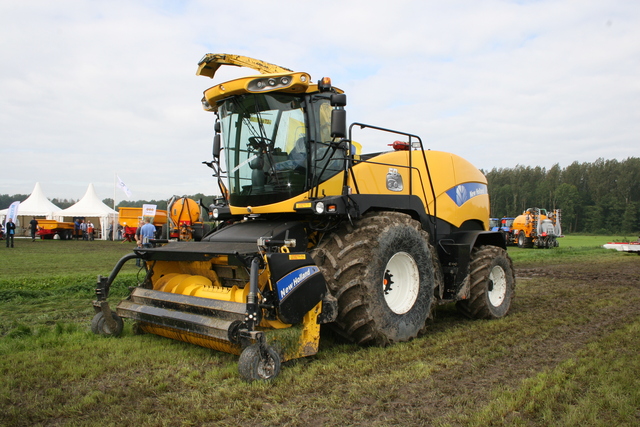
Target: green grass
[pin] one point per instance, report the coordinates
(571, 248)
(566, 355)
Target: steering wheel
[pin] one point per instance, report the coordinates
(257, 142)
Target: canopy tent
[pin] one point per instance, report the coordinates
(91, 208)
(36, 205)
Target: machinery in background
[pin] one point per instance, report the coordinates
(536, 228)
(186, 220)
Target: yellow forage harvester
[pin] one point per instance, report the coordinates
(315, 231)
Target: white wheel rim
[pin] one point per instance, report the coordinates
(402, 291)
(498, 286)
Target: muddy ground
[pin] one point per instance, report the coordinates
(558, 310)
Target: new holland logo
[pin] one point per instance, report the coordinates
(292, 280)
(462, 193)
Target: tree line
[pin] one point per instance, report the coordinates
(600, 197)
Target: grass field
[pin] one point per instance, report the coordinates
(566, 355)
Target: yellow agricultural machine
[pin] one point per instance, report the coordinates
(536, 228)
(321, 233)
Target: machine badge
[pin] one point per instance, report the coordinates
(394, 180)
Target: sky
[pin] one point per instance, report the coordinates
(91, 90)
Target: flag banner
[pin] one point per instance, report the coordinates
(123, 187)
(149, 211)
(12, 212)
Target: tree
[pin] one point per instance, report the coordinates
(630, 218)
(568, 198)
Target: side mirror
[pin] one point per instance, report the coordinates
(338, 100)
(216, 146)
(338, 123)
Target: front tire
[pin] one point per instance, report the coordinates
(492, 284)
(381, 272)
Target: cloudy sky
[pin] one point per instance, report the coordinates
(91, 89)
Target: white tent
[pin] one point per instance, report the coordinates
(91, 208)
(35, 205)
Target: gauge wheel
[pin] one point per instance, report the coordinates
(99, 326)
(256, 364)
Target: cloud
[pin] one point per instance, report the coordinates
(94, 88)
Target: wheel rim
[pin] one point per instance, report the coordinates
(266, 367)
(497, 286)
(401, 282)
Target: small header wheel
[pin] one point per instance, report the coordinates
(99, 325)
(259, 364)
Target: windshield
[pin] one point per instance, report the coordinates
(266, 143)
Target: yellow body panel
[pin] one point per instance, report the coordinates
(447, 171)
(300, 83)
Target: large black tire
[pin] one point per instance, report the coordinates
(99, 325)
(255, 366)
(491, 284)
(381, 272)
(522, 239)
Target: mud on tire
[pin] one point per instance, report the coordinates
(381, 272)
(492, 284)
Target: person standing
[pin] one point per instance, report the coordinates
(83, 227)
(144, 234)
(10, 231)
(147, 233)
(90, 230)
(76, 226)
(34, 227)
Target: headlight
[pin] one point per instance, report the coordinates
(216, 213)
(319, 207)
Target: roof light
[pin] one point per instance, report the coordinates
(324, 84)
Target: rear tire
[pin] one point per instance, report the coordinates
(522, 240)
(492, 284)
(381, 272)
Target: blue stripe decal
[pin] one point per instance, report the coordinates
(294, 279)
(462, 193)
